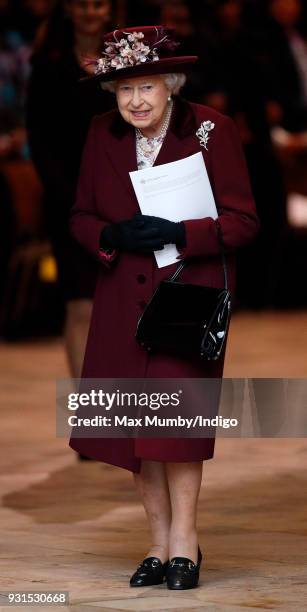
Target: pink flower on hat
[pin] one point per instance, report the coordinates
(126, 51)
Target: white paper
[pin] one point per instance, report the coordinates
(177, 191)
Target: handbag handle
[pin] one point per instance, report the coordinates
(184, 263)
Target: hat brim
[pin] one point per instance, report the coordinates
(162, 66)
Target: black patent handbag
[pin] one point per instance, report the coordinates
(187, 319)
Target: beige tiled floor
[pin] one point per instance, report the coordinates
(79, 527)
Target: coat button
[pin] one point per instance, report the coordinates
(142, 305)
(141, 278)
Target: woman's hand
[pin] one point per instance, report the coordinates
(169, 232)
(131, 235)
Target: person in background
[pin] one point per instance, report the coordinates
(19, 26)
(233, 83)
(283, 60)
(15, 51)
(282, 57)
(177, 14)
(30, 15)
(58, 115)
(14, 72)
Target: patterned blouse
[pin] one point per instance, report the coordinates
(147, 150)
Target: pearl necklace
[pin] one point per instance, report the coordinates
(146, 147)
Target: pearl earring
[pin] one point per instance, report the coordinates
(169, 98)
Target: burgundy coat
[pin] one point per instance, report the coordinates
(105, 195)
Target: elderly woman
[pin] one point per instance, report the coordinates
(154, 126)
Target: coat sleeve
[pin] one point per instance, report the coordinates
(233, 197)
(86, 224)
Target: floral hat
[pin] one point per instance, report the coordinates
(138, 51)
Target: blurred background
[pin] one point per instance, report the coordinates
(252, 66)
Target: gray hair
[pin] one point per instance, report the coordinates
(173, 81)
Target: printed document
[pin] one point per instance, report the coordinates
(177, 191)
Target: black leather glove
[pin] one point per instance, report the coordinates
(131, 235)
(170, 232)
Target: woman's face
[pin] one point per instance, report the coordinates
(286, 12)
(89, 16)
(142, 102)
(230, 13)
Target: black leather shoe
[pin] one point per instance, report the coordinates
(150, 571)
(182, 573)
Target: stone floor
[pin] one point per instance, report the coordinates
(67, 525)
